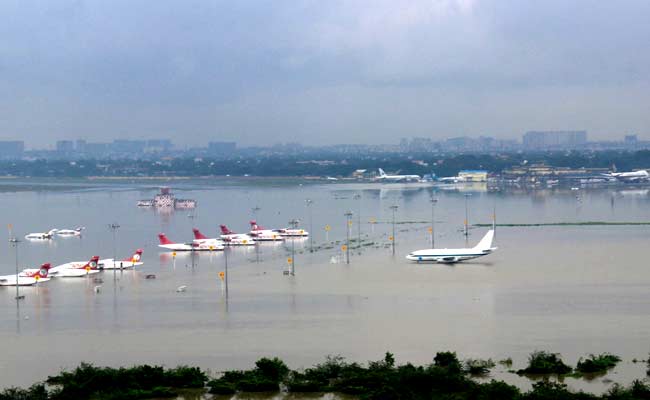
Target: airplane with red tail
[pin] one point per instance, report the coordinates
(200, 245)
(262, 234)
(283, 232)
(27, 277)
(110, 263)
(76, 270)
(235, 239)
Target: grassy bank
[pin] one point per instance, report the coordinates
(446, 377)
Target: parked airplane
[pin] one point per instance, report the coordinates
(27, 277)
(262, 234)
(452, 179)
(632, 176)
(273, 233)
(235, 239)
(397, 178)
(193, 246)
(110, 263)
(76, 270)
(41, 235)
(450, 256)
(200, 238)
(70, 232)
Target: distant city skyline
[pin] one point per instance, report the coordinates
(360, 71)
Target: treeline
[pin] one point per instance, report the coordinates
(326, 165)
(445, 378)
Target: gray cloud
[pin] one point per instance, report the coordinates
(323, 72)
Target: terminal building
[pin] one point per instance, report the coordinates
(473, 175)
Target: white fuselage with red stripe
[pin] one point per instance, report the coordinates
(27, 277)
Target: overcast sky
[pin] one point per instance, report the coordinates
(322, 71)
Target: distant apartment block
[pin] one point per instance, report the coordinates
(65, 146)
(12, 149)
(221, 148)
(548, 140)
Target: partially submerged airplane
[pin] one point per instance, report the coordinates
(70, 232)
(262, 234)
(450, 256)
(110, 263)
(41, 235)
(235, 239)
(271, 234)
(27, 277)
(633, 176)
(397, 178)
(76, 270)
(200, 245)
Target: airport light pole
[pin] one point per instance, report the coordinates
(358, 197)
(254, 211)
(309, 202)
(393, 208)
(434, 201)
(294, 224)
(114, 227)
(14, 243)
(348, 222)
(466, 216)
(225, 275)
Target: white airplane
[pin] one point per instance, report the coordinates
(450, 256)
(632, 176)
(110, 263)
(193, 246)
(452, 179)
(397, 178)
(76, 270)
(262, 234)
(27, 277)
(41, 235)
(70, 232)
(283, 232)
(234, 239)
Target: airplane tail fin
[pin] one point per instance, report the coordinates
(137, 256)
(381, 173)
(486, 242)
(43, 271)
(225, 230)
(254, 226)
(198, 235)
(92, 264)
(163, 239)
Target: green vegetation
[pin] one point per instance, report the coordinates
(444, 378)
(543, 362)
(478, 366)
(140, 382)
(265, 377)
(647, 372)
(599, 363)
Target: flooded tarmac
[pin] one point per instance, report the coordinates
(573, 289)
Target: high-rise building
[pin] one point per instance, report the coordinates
(64, 146)
(12, 148)
(548, 140)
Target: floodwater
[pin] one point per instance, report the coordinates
(570, 289)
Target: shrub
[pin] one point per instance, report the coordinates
(478, 366)
(543, 362)
(272, 369)
(447, 360)
(599, 363)
(35, 392)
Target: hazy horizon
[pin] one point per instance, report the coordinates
(321, 73)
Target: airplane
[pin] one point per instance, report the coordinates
(41, 235)
(110, 263)
(27, 277)
(452, 179)
(397, 178)
(165, 243)
(450, 256)
(262, 234)
(70, 232)
(283, 232)
(235, 239)
(633, 176)
(76, 270)
(200, 238)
